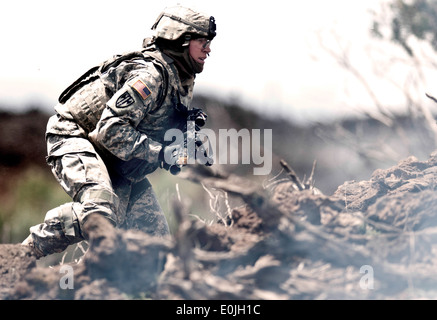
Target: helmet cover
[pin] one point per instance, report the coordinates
(176, 21)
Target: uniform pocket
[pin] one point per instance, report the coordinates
(59, 146)
(70, 171)
(74, 162)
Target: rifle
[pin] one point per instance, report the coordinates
(194, 140)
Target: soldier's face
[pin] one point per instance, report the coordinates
(199, 49)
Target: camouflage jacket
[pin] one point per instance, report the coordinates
(124, 107)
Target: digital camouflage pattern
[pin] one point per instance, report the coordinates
(108, 133)
(175, 21)
(102, 164)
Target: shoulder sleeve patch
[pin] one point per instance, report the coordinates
(142, 89)
(124, 101)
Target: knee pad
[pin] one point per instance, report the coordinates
(65, 216)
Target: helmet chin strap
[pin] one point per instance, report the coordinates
(187, 40)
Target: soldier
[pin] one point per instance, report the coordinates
(108, 132)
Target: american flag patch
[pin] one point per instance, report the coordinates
(142, 89)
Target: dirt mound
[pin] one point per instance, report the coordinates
(15, 262)
(372, 239)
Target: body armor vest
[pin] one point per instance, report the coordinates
(85, 99)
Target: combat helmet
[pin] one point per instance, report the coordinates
(176, 21)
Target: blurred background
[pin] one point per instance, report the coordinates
(342, 83)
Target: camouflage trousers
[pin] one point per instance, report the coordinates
(94, 189)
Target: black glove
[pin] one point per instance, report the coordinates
(173, 158)
(203, 155)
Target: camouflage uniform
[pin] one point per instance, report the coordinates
(108, 133)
